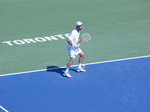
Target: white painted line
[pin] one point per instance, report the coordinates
(76, 65)
(3, 109)
(118, 60)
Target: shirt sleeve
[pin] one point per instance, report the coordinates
(72, 35)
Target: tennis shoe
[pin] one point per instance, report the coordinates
(66, 74)
(81, 70)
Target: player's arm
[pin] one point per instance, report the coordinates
(80, 41)
(70, 42)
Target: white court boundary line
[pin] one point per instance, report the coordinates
(76, 65)
(3, 109)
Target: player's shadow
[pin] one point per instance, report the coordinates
(57, 69)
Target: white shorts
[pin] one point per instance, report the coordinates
(73, 52)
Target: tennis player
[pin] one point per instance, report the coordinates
(73, 49)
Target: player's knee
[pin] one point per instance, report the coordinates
(82, 54)
(72, 59)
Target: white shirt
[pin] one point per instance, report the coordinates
(74, 37)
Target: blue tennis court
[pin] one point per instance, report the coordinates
(113, 86)
(33, 35)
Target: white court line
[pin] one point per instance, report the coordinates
(76, 65)
(3, 109)
(119, 60)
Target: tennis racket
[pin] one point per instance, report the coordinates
(84, 38)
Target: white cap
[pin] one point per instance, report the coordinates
(79, 23)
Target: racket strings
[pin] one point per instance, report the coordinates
(85, 37)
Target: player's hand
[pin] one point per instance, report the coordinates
(80, 41)
(76, 47)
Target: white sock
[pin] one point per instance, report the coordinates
(79, 65)
(67, 70)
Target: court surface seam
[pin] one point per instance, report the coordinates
(76, 65)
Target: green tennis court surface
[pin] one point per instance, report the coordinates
(33, 33)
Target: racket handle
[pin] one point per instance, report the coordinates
(78, 45)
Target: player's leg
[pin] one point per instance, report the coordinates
(66, 73)
(69, 64)
(82, 55)
(72, 58)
